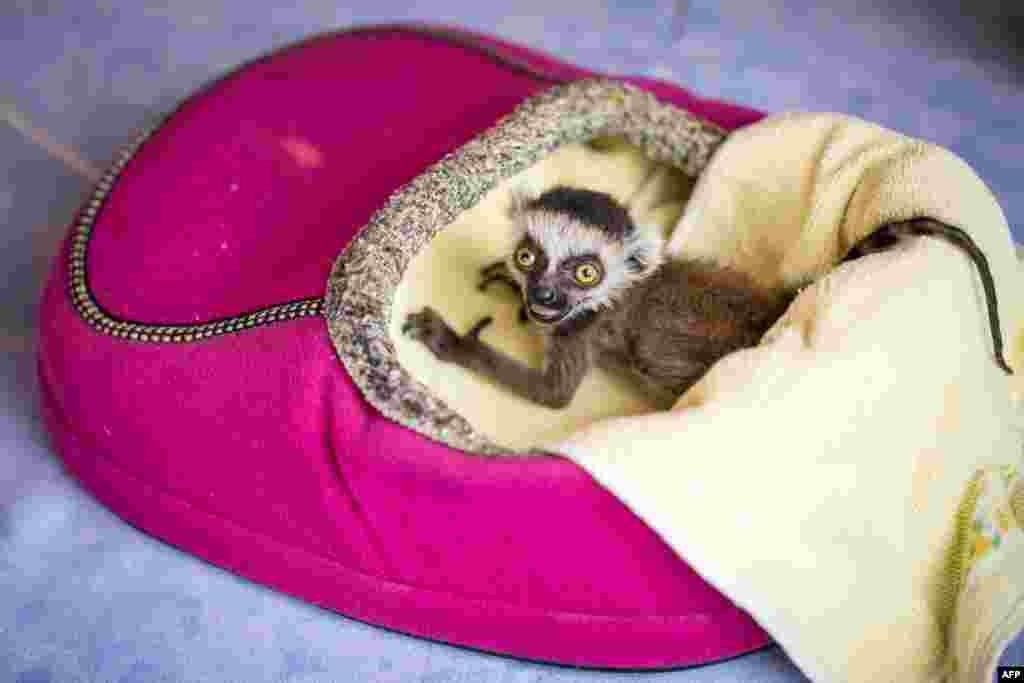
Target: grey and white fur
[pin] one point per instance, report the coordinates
(600, 291)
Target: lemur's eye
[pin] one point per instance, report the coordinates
(525, 258)
(588, 274)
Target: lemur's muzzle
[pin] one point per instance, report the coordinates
(546, 304)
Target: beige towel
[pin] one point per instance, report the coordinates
(851, 481)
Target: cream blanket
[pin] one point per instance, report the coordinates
(852, 482)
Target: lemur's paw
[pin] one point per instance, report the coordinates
(496, 272)
(430, 329)
(474, 332)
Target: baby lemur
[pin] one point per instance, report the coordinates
(603, 294)
(600, 290)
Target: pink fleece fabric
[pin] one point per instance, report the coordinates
(256, 452)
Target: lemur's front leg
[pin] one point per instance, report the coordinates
(564, 366)
(498, 272)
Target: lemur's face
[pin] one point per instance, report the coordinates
(578, 251)
(558, 284)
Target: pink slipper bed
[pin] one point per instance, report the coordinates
(218, 368)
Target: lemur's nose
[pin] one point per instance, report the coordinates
(544, 295)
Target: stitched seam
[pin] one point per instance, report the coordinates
(82, 297)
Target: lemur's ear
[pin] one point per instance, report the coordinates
(644, 251)
(522, 194)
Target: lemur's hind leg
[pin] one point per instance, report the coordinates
(498, 272)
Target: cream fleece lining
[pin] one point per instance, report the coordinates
(444, 276)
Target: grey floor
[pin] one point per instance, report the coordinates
(83, 597)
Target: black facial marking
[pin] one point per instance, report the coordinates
(570, 264)
(595, 209)
(541, 263)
